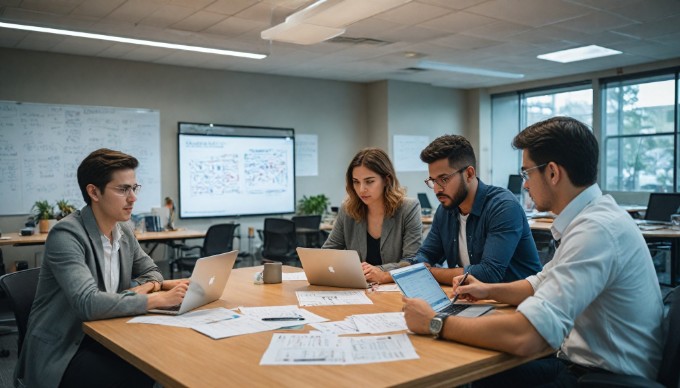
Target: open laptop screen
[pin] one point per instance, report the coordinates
(661, 206)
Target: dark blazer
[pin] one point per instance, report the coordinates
(71, 290)
(399, 240)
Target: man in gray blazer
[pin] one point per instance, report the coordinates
(93, 269)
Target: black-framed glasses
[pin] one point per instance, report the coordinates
(125, 190)
(442, 180)
(525, 173)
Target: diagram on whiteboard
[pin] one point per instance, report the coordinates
(267, 170)
(215, 175)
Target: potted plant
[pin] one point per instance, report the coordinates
(65, 208)
(43, 212)
(314, 204)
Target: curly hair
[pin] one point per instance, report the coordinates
(377, 161)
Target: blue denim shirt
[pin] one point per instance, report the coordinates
(499, 240)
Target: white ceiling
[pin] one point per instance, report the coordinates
(501, 35)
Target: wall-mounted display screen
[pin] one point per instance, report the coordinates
(235, 171)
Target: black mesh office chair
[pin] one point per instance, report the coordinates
(218, 239)
(669, 373)
(308, 230)
(20, 288)
(280, 240)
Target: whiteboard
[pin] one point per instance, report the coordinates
(41, 146)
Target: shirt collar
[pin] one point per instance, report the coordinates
(116, 234)
(573, 209)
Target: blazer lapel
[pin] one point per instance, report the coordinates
(360, 235)
(94, 235)
(387, 228)
(125, 262)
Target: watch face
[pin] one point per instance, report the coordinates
(436, 325)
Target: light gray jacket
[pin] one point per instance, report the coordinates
(400, 238)
(71, 290)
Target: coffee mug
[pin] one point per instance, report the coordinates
(272, 273)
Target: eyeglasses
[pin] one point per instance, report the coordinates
(525, 173)
(442, 181)
(125, 190)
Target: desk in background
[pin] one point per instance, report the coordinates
(182, 357)
(39, 238)
(650, 235)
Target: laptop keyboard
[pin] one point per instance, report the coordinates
(171, 308)
(454, 309)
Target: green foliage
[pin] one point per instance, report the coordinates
(314, 204)
(65, 208)
(42, 210)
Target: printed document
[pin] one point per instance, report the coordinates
(239, 325)
(187, 320)
(328, 349)
(276, 316)
(332, 298)
(379, 323)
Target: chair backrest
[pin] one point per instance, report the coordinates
(515, 184)
(279, 239)
(669, 373)
(20, 287)
(219, 239)
(307, 222)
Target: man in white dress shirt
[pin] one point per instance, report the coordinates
(598, 301)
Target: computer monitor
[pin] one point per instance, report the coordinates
(515, 184)
(661, 206)
(424, 201)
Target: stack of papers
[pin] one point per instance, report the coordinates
(332, 298)
(364, 324)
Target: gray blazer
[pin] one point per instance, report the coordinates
(71, 290)
(399, 240)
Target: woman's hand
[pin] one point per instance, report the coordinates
(374, 274)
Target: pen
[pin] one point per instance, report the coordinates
(284, 319)
(455, 298)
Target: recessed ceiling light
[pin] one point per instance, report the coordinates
(132, 41)
(579, 54)
(441, 66)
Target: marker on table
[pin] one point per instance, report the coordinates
(455, 298)
(284, 319)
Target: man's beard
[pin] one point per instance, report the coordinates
(458, 198)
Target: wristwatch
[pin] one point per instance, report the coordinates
(437, 325)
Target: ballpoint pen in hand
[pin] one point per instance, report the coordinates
(455, 298)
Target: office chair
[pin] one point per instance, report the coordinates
(20, 287)
(218, 239)
(545, 245)
(280, 240)
(308, 229)
(669, 373)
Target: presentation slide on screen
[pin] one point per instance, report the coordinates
(233, 176)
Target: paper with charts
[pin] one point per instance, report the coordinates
(328, 349)
(364, 324)
(332, 298)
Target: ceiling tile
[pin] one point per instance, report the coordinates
(543, 12)
(261, 12)
(457, 5)
(413, 13)
(59, 7)
(497, 30)
(458, 22)
(229, 7)
(97, 8)
(193, 4)
(40, 42)
(464, 42)
(133, 11)
(199, 21)
(81, 46)
(651, 29)
(596, 22)
(234, 26)
(646, 11)
(166, 16)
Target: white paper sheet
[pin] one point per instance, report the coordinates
(290, 276)
(327, 349)
(379, 323)
(337, 327)
(229, 328)
(189, 319)
(282, 312)
(392, 287)
(332, 298)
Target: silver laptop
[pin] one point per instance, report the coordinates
(332, 267)
(207, 283)
(416, 281)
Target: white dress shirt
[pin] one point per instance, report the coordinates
(111, 270)
(598, 300)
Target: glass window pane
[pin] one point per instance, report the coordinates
(641, 163)
(643, 107)
(574, 103)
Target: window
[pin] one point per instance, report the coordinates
(639, 134)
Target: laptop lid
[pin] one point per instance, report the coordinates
(424, 201)
(416, 281)
(661, 206)
(207, 284)
(332, 267)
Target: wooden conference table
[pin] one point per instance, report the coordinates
(181, 357)
(650, 235)
(39, 238)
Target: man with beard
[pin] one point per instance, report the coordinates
(480, 229)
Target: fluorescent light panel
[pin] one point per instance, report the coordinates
(326, 19)
(132, 41)
(579, 54)
(441, 66)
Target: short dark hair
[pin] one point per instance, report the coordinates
(455, 148)
(98, 167)
(565, 141)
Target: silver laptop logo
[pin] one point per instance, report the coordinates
(330, 269)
